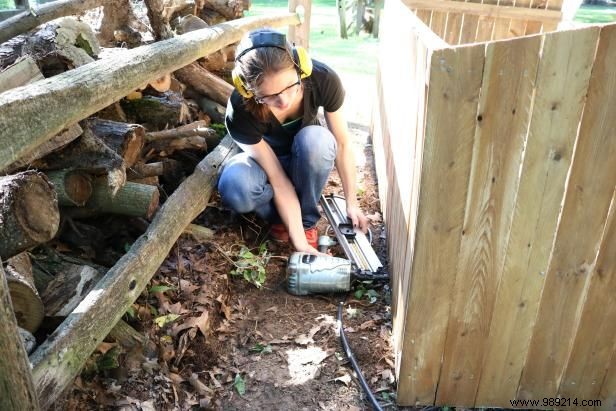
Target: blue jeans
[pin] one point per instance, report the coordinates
(244, 188)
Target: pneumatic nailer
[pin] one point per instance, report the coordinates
(309, 274)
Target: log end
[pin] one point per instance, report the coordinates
(27, 304)
(79, 188)
(38, 194)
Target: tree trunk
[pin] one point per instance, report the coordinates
(47, 100)
(125, 139)
(118, 15)
(53, 47)
(198, 128)
(230, 9)
(73, 187)
(27, 303)
(17, 391)
(28, 211)
(214, 110)
(158, 20)
(57, 361)
(71, 283)
(90, 154)
(165, 148)
(168, 110)
(137, 200)
(55, 143)
(22, 72)
(205, 83)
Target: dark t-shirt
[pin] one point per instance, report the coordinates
(321, 89)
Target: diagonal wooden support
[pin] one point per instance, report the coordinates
(16, 388)
(32, 114)
(60, 358)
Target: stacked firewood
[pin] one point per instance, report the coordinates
(123, 161)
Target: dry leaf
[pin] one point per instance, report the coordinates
(273, 309)
(368, 324)
(202, 323)
(200, 387)
(105, 346)
(176, 378)
(346, 379)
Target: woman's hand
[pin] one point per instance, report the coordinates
(357, 217)
(308, 249)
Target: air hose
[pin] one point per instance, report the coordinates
(351, 357)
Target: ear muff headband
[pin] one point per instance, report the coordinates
(299, 56)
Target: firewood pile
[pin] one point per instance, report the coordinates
(69, 208)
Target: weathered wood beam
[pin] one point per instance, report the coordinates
(53, 103)
(486, 10)
(16, 387)
(60, 358)
(37, 15)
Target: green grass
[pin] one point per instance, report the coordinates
(355, 55)
(7, 4)
(596, 14)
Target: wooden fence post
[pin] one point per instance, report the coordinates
(300, 34)
(16, 388)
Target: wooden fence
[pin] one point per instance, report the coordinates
(496, 165)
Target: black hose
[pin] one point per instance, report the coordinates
(349, 354)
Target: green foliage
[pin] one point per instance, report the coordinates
(261, 349)
(362, 291)
(239, 384)
(251, 266)
(595, 14)
(160, 288)
(165, 319)
(220, 129)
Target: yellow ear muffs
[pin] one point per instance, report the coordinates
(240, 85)
(303, 61)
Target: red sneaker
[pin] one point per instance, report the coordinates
(279, 233)
(312, 235)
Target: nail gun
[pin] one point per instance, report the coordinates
(308, 273)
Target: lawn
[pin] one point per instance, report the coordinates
(595, 14)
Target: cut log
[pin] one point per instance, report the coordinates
(28, 211)
(27, 339)
(90, 154)
(230, 9)
(212, 62)
(17, 390)
(214, 110)
(55, 143)
(137, 200)
(199, 233)
(59, 359)
(126, 335)
(159, 168)
(198, 128)
(71, 283)
(169, 110)
(164, 148)
(161, 84)
(56, 47)
(125, 139)
(113, 112)
(73, 187)
(26, 71)
(23, 71)
(150, 181)
(160, 24)
(205, 83)
(27, 303)
(43, 13)
(46, 102)
(118, 16)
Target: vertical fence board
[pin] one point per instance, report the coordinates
(507, 87)
(455, 79)
(566, 59)
(608, 390)
(485, 26)
(590, 356)
(502, 26)
(518, 27)
(588, 196)
(454, 25)
(401, 90)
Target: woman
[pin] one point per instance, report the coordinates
(287, 155)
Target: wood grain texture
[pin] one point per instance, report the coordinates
(503, 116)
(587, 365)
(566, 59)
(454, 83)
(589, 192)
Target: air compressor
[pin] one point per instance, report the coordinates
(310, 274)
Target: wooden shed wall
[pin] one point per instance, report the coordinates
(497, 172)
